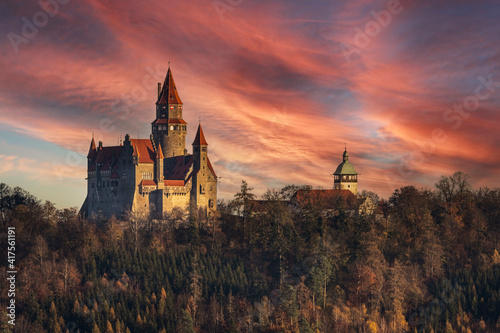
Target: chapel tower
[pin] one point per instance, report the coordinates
(345, 176)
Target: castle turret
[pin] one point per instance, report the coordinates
(169, 129)
(201, 170)
(200, 146)
(345, 176)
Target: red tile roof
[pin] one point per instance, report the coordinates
(174, 182)
(147, 183)
(144, 149)
(168, 121)
(324, 199)
(199, 140)
(168, 94)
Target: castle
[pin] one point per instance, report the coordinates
(154, 175)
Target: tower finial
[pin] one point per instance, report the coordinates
(345, 145)
(169, 65)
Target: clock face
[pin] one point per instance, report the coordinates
(171, 127)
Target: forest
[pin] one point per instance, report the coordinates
(427, 261)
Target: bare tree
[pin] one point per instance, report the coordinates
(454, 188)
(40, 250)
(137, 219)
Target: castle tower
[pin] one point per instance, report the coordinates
(169, 129)
(345, 177)
(204, 183)
(200, 147)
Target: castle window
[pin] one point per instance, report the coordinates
(92, 185)
(203, 148)
(196, 148)
(147, 175)
(108, 183)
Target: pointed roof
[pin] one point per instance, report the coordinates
(92, 150)
(199, 140)
(159, 152)
(168, 94)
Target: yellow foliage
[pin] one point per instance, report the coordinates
(371, 327)
(401, 323)
(496, 258)
(449, 328)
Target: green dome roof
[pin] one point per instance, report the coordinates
(345, 168)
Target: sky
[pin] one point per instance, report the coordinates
(411, 87)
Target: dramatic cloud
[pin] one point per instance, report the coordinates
(413, 88)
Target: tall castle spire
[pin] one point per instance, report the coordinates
(169, 129)
(168, 94)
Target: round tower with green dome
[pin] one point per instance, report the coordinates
(346, 177)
